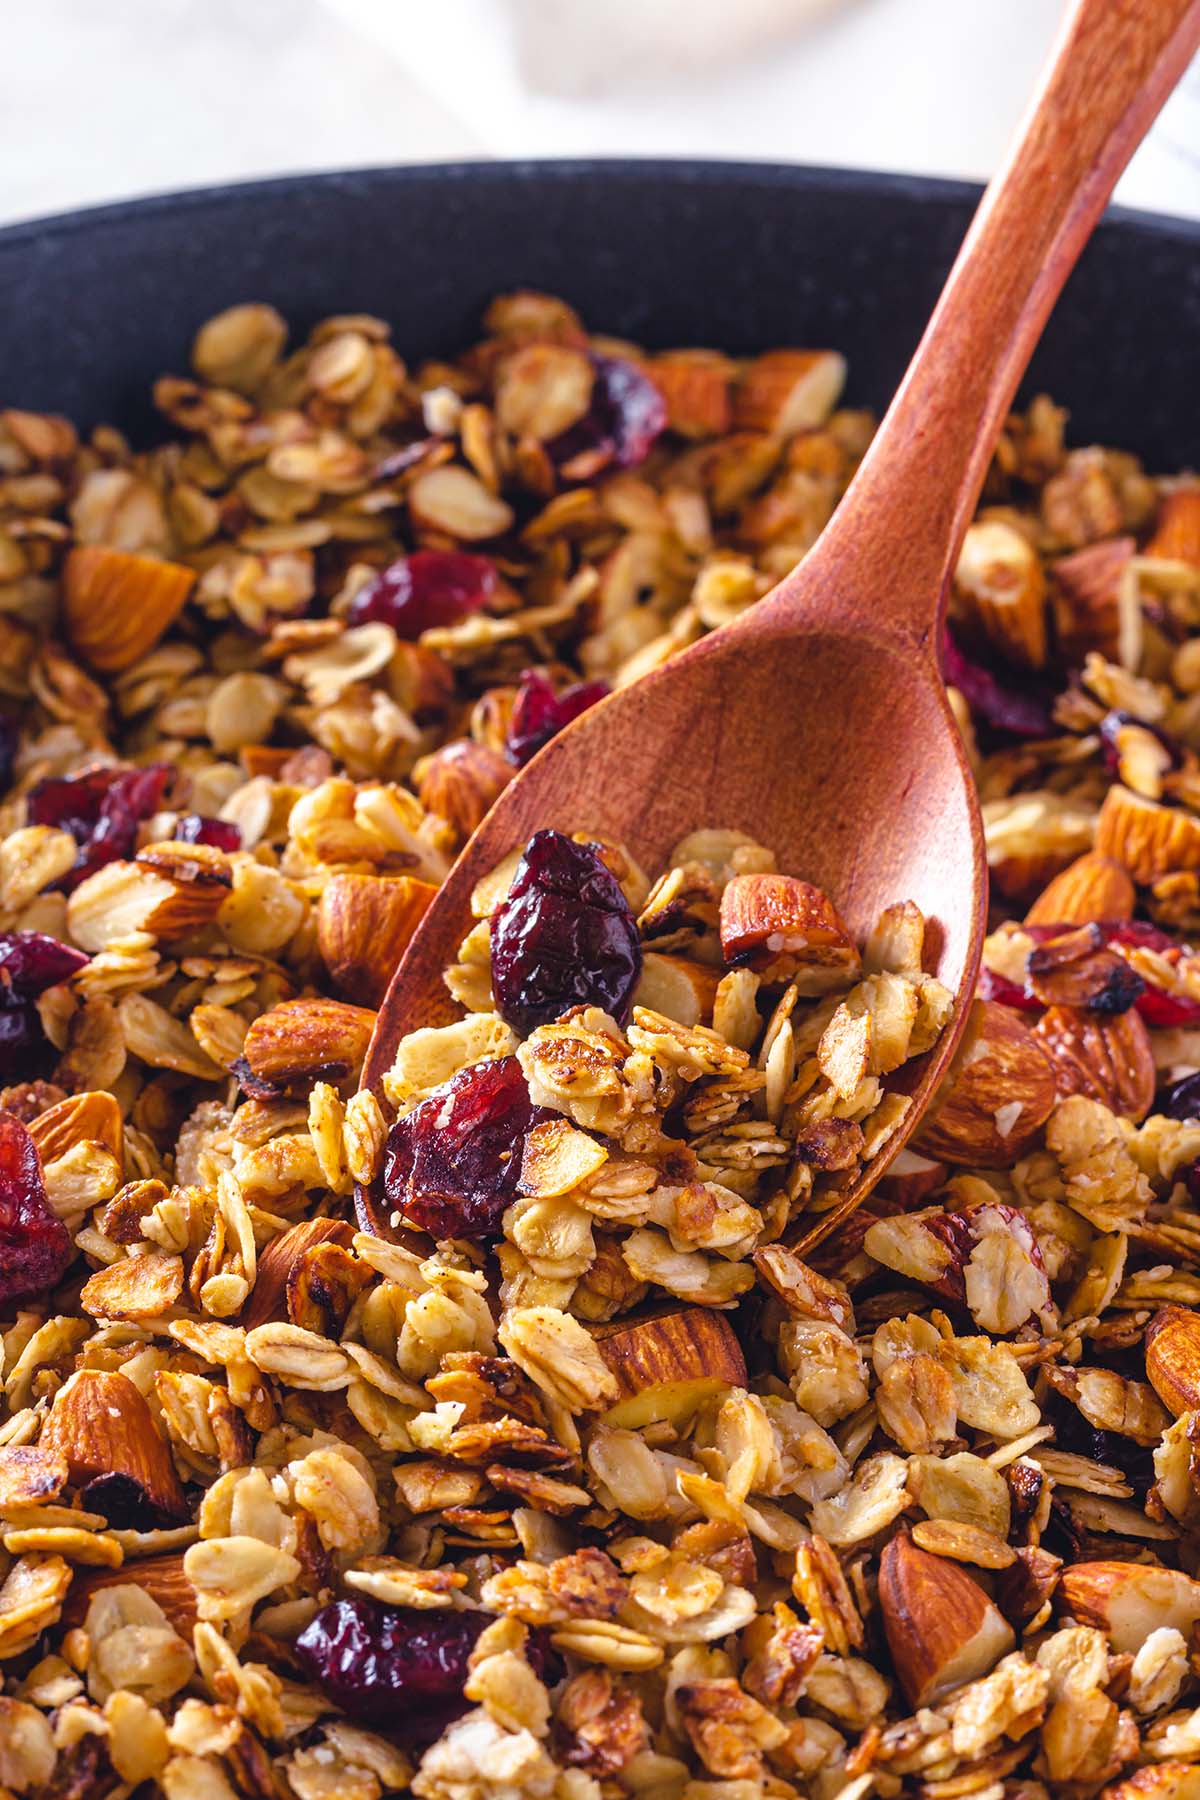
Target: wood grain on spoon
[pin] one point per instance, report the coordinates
(818, 721)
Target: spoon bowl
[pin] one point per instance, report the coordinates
(818, 722)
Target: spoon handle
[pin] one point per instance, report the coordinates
(896, 535)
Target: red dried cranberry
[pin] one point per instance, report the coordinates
(424, 590)
(1166, 1011)
(452, 1164)
(32, 961)
(563, 937)
(102, 809)
(1181, 1099)
(1135, 933)
(998, 987)
(539, 713)
(1110, 726)
(398, 1667)
(35, 1248)
(10, 739)
(624, 417)
(1022, 711)
(198, 828)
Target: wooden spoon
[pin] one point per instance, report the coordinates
(818, 721)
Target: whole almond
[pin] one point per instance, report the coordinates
(364, 925)
(460, 783)
(1145, 837)
(1095, 606)
(787, 391)
(1173, 1358)
(942, 1630)
(102, 1425)
(787, 927)
(91, 1118)
(697, 388)
(668, 1365)
(1176, 535)
(268, 1298)
(1093, 887)
(1128, 1600)
(1107, 1059)
(996, 1095)
(1001, 583)
(161, 1577)
(302, 1041)
(116, 605)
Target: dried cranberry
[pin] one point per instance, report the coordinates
(125, 1504)
(624, 417)
(1111, 725)
(102, 809)
(10, 739)
(452, 1164)
(1166, 1011)
(1022, 711)
(539, 713)
(424, 590)
(563, 937)
(198, 828)
(31, 962)
(998, 987)
(35, 1248)
(1137, 934)
(1181, 1099)
(398, 1667)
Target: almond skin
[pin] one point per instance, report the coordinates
(784, 927)
(201, 878)
(942, 1629)
(1173, 1358)
(116, 605)
(1093, 887)
(1128, 1600)
(999, 1065)
(678, 987)
(302, 1041)
(1148, 839)
(102, 1425)
(162, 1577)
(364, 924)
(1106, 1059)
(667, 1366)
(268, 1298)
(92, 1118)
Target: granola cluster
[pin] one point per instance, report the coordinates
(550, 1422)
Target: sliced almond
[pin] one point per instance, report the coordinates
(542, 389)
(453, 500)
(1128, 1600)
(302, 1041)
(668, 1366)
(116, 606)
(1094, 887)
(942, 1629)
(786, 929)
(996, 1095)
(268, 1298)
(787, 391)
(1173, 1358)
(102, 1425)
(1146, 838)
(1108, 1059)
(92, 1118)
(1001, 582)
(364, 926)
(1095, 606)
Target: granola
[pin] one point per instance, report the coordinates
(490, 1434)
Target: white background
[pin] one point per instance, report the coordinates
(104, 98)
